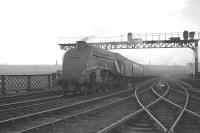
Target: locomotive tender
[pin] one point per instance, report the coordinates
(88, 69)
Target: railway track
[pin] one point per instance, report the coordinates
(172, 112)
(191, 91)
(92, 120)
(28, 103)
(190, 120)
(194, 105)
(29, 96)
(188, 124)
(34, 121)
(163, 111)
(184, 121)
(33, 106)
(37, 105)
(193, 99)
(141, 121)
(147, 97)
(155, 107)
(17, 102)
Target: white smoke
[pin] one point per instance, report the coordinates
(85, 39)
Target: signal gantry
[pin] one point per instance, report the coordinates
(140, 41)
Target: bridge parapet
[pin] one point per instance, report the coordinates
(10, 84)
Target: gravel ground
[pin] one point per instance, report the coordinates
(84, 124)
(53, 104)
(46, 119)
(93, 122)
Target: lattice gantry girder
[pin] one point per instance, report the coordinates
(136, 41)
(141, 45)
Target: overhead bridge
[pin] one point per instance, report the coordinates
(138, 45)
(140, 41)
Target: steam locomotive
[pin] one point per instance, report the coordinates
(89, 69)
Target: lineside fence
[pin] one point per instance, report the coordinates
(10, 84)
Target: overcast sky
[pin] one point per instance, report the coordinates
(29, 29)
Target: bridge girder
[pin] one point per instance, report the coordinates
(138, 45)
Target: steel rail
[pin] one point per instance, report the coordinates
(62, 107)
(192, 97)
(191, 91)
(30, 102)
(73, 105)
(177, 91)
(34, 100)
(149, 113)
(75, 115)
(157, 95)
(10, 104)
(161, 96)
(184, 83)
(189, 86)
(28, 95)
(183, 109)
(58, 120)
(191, 112)
(181, 113)
(113, 125)
(136, 95)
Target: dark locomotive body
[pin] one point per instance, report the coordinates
(89, 69)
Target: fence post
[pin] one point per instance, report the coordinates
(3, 91)
(54, 79)
(48, 81)
(28, 82)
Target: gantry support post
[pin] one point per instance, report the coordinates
(196, 59)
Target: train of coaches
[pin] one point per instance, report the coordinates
(88, 69)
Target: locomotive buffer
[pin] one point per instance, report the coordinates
(141, 41)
